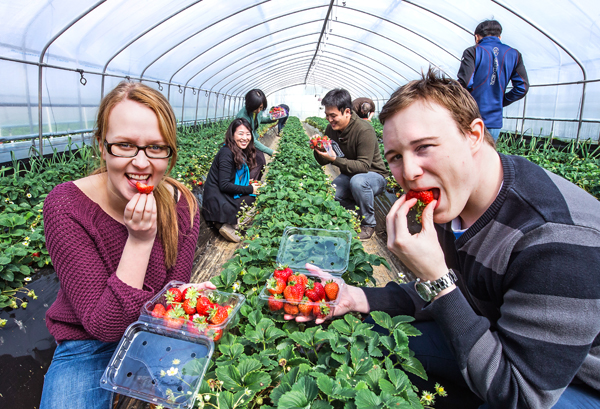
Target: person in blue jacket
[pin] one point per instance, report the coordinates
(485, 70)
(253, 112)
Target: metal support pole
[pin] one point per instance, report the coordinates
(207, 107)
(216, 105)
(523, 120)
(183, 104)
(197, 104)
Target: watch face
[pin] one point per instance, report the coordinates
(423, 291)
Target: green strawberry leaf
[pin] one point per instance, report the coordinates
(293, 400)
(382, 319)
(365, 399)
(413, 365)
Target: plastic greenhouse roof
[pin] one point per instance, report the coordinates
(225, 49)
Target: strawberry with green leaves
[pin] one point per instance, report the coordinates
(294, 292)
(424, 197)
(276, 285)
(321, 310)
(174, 317)
(217, 314)
(305, 307)
(203, 304)
(315, 291)
(282, 272)
(275, 302)
(189, 306)
(174, 295)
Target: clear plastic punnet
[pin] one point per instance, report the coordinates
(162, 362)
(327, 249)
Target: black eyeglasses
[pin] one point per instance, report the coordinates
(129, 150)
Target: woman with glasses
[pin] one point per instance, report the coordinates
(228, 184)
(113, 247)
(253, 112)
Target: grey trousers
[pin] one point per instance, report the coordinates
(360, 190)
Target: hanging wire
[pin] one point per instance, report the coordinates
(206, 93)
(160, 88)
(180, 90)
(194, 91)
(128, 78)
(82, 80)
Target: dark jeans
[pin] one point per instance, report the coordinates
(432, 351)
(281, 123)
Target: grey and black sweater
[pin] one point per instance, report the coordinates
(524, 321)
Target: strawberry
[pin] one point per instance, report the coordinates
(305, 307)
(215, 333)
(173, 317)
(290, 309)
(173, 295)
(159, 311)
(202, 305)
(283, 272)
(275, 285)
(218, 315)
(275, 302)
(189, 306)
(299, 279)
(293, 292)
(190, 293)
(144, 188)
(315, 291)
(424, 197)
(197, 324)
(331, 290)
(321, 310)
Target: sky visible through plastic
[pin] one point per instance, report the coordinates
(205, 55)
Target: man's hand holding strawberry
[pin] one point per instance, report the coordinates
(420, 252)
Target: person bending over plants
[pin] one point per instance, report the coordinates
(253, 112)
(116, 238)
(228, 182)
(507, 295)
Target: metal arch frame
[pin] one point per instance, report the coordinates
(323, 83)
(272, 82)
(255, 39)
(401, 26)
(353, 87)
(268, 78)
(287, 86)
(41, 65)
(584, 72)
(278, 63)
(138, 37)
(269, 81)
(329, 53)
(320, 38)
(439, 15)
(198, 32)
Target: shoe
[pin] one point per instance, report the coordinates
(366, 232)
(229, 233)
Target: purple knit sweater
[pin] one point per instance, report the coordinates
(86, 245)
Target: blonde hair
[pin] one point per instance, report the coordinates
(168, 229)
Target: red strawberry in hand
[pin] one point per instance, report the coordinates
(218, 315)
(173, 295)
(424, 197)
(202, 305)
(294, 292)
(189, 306)
(331, 290)
(144, 188)
(276, 285)
(283, 272)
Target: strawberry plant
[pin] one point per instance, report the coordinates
(285, 364)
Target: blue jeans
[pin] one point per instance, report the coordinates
(360, 190)
(495, 133)
(73, 379)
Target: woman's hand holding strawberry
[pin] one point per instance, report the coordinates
(140, 218)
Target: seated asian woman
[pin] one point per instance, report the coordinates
(228, 184)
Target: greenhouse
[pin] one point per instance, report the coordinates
(265, 248)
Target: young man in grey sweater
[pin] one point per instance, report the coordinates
(508, 260)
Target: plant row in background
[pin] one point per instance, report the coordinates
(266, 361)
(578, 162)
(23, 190)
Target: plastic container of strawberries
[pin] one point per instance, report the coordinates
(295, 309)
(212, 331)
(327, 249)
(163, 365)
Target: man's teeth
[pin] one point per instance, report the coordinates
(138, 177)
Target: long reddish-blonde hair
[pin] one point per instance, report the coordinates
(168, 230)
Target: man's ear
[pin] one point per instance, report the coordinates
(477, 134)
(348, 111)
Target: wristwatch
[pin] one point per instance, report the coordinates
(428, 290)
